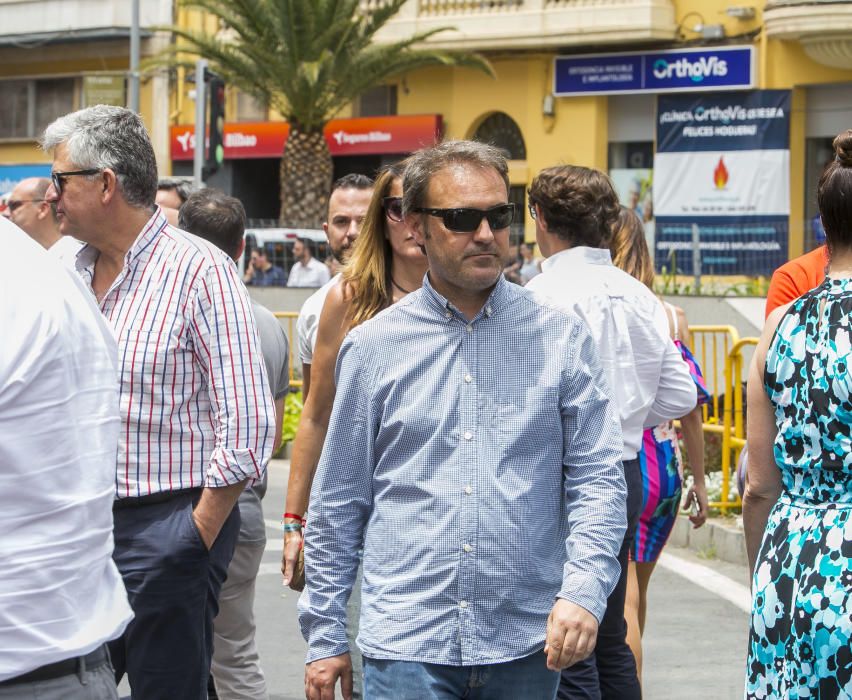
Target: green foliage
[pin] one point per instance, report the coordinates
(753, 287)
(290, 421)
(670, 284)
(306, 58)
(292, 413)
(708, 553)
(667, 282)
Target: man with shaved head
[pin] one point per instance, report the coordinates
(28, 208)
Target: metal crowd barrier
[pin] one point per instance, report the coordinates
(723, 357)
(734, 438)
(293, 336)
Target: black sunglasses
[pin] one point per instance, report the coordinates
(466, 220)
(393, 208)
(59, 177)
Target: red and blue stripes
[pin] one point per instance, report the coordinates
(194, 396)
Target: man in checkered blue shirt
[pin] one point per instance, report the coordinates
(475, 456)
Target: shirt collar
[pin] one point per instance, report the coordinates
(577, 256)
(88, 254)
(150, 231)
(498, 298)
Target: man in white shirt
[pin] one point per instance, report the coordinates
(27, 208)
(575, 209)
(307, 270)
(61, 596)
(347, 207)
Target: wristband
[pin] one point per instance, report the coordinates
(292, 527)
(293, 516)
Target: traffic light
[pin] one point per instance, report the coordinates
(216, 126)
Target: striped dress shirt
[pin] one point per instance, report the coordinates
(194, 399)
(479, 464)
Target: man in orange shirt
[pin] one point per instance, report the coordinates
(796, 277)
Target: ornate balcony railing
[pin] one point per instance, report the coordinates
(498, 24)
(56, 21)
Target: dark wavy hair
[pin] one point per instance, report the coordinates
(579, 204)
(834, 194)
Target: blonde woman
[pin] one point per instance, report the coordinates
(385, 265)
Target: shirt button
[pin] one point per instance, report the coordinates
(469, 328)
(468, 378)
(467, 548)
(468, 490)
(487, 310)
(463, 603)
(449, 314)
(468, 435)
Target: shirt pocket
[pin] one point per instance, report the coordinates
(529, 422)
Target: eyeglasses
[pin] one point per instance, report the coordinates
(58, 178)
(393, 208)
(15, 204)
(466, 220)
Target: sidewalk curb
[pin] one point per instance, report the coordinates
(714, 539)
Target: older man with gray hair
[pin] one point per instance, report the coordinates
(197, 416)
(460, 479)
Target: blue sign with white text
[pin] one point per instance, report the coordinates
(686, 70)
(11, 175)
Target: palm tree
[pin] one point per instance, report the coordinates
(307, 59)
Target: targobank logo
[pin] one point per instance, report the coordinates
(696, 70)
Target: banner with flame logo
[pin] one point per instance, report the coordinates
(723, 164)
(720, 174)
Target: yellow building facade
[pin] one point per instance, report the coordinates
(798, 47)
(586, 130)
(56, 57)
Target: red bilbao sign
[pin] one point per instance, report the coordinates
(345, 137)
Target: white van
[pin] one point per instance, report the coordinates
(278, 244)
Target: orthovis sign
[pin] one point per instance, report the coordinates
(684, 70)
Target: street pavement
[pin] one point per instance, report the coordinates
(695, 639)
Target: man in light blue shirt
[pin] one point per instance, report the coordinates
(472, 431)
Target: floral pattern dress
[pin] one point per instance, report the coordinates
(800, 643)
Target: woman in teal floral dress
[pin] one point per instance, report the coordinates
(797, 508)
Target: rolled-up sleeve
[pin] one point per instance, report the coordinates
(595, 490)
(227, 347)
(340, 504)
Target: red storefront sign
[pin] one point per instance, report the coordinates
(345, 137)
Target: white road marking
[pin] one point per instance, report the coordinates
(735, 593)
